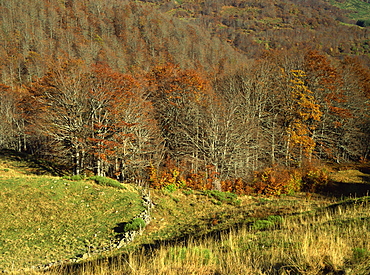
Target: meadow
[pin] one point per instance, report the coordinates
(49, 218)
(331, 240)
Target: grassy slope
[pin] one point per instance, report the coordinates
(331, 241)
(317, 235)
(46, 218)
(177, 214)
(290, 235)
(56, 218)
(358, 9)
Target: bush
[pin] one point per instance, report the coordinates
(270, 222)
(272, 181)
(188, 192)
(314, 180)
(170, 188)
(237, 186)
(169, 176)
(295, 182)
(360, 254)
(104, 181)
(77, 177)
(134, 225)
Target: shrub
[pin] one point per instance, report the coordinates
(134, 225)
(294, 183)
(237, 186)
(170, 188)
(170, 175)
(188, 192)
(270, 222)
(198, 181)
(314, 180)
(359, 254)
(272, 181)
(262, 225)
(77, 177)
(104, 181)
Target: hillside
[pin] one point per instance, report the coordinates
(246, 120)
(212, 35)
(202, 94)
(48, 218)
(129, 36)
(255, 26)
(357, 9)
(332, 240)
(59, 219)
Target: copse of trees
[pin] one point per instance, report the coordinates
(107, 89)
(101, 121)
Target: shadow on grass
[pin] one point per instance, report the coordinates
(346, 190)
(120, 228)
(31, 164)
(148, 249)
(340, 189)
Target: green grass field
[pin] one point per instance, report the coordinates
(46, 218)
(359, 10)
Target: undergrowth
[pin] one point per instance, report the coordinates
(277, 180)
(222, 197)
(134, 225)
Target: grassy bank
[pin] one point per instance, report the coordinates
(46, 218)
(359, 10)
(333, 240)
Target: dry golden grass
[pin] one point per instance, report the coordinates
(350, 176)
(333, 241)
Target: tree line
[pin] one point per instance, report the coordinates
(127, 90)
(282, 109)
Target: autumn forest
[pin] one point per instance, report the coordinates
(189, 90)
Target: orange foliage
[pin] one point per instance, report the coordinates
(271, 181)
(167, 175)
(237, 186)
(314, 177)
(169, 82)
(306, 113)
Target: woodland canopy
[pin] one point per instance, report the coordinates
(215, 88)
